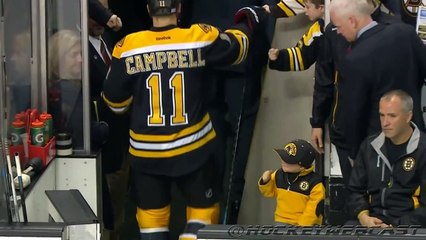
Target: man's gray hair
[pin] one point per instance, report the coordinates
(406, 99)
(346, 8)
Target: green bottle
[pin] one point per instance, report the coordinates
(37, 133)
(46, 118)
(18, 128)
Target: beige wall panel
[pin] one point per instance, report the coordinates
(283, 115)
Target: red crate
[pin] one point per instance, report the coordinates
(46, 153)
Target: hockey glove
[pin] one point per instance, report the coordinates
(252, 15)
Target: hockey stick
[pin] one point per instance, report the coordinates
(21, 186)
(6, 184)
(12, 185)
(233, 159)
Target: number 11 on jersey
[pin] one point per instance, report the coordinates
(177, 86)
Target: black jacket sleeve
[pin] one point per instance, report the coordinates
(418, 216)
(324, 83)
(98, 12)
(358, 199)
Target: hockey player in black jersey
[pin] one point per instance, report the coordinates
(158, 74)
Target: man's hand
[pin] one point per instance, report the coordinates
(316, 139)
(266, 176)
(114, 23)
(266, 7)
(273, 54)
(368, 221)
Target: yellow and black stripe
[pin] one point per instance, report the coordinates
(165, 146)
(120, 107)
(242, 41)
(304, 54)
(288, 8)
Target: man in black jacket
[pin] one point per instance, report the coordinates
(103, 15)
(388, 180)
(327, 91)
(380, 58)
(113, 147)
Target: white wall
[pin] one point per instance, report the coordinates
(284, 112)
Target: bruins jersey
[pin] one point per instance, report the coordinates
(304, 54)
(290, 8)
(159, 75)
(287, 8)
(300, 201)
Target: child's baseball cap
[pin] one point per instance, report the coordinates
(298, 152)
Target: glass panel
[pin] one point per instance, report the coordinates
(18, 55)
(17, 76)
(64, 67)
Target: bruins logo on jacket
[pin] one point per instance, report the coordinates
(408, 164)
(304, 185)
(412, 6)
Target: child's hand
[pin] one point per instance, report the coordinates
(273, 54)
(266, 176)
(266, 7)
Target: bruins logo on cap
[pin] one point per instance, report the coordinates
(291, 149)
(304, 185)
(408, 164)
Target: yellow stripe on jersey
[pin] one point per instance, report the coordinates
(175, 152)
(290, 55)
(164, 138)
(336, 82)
(162, 146)
(120, 107)
(314, 31)
(244, 44)
(291, 7)
(174, 39)
(299, 59)
(415, 197)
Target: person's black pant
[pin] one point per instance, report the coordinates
(346, 169)
(345, 165)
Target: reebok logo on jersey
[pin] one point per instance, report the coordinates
(209, 193)
(163, 38)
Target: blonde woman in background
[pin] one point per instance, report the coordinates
(64, 84)
(18, 71)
